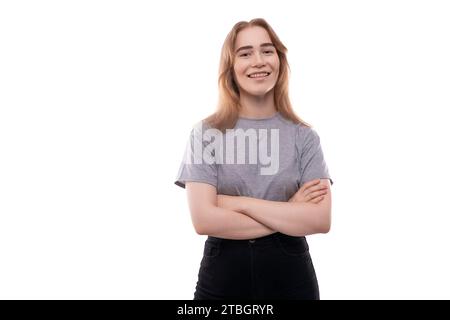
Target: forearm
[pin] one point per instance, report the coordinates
(291, 218)
(229, 224)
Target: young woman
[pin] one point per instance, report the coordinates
(256, 179)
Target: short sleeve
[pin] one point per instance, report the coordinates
(312, 162)
(194, 166)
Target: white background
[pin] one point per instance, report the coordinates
(97, 99)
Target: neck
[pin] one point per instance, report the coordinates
(257, 106)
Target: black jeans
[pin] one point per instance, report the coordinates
(276, 266)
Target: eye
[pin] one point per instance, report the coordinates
(265, 52)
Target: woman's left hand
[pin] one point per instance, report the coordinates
(313, 191)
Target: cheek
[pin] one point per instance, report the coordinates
(237, 75)
(238, 72)
(277, 71)
(276, 64)
(239, 69)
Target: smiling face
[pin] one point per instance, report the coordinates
(256, 64)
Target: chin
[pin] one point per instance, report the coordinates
(259, 93)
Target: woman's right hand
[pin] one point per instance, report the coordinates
(312, 191)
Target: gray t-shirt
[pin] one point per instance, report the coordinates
(267, 159)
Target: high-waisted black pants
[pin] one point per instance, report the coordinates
(276, 266)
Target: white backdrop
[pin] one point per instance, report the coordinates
(97, 99)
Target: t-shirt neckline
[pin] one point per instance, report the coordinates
(259, 119)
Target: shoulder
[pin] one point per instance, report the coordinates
(306, 134)
(300, 129)
(199, 127)
(202, 132)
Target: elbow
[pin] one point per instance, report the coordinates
(324, 224)
(200, 229)
(323, 214)
(324, 227)
(200, 223)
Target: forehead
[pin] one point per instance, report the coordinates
(252, 36)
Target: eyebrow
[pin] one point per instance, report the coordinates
(267, 44)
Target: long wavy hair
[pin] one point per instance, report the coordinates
(227, 113)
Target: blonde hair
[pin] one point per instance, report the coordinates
(227, 113)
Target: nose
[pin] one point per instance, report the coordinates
(258, 59)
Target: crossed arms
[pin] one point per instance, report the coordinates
(236, 217)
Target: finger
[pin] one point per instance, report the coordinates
(321, 192)
(310, 184)
(317, 200)
(319, 187)
(316, 194)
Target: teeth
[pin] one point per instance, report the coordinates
(258, 75)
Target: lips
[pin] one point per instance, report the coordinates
(257, 75)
